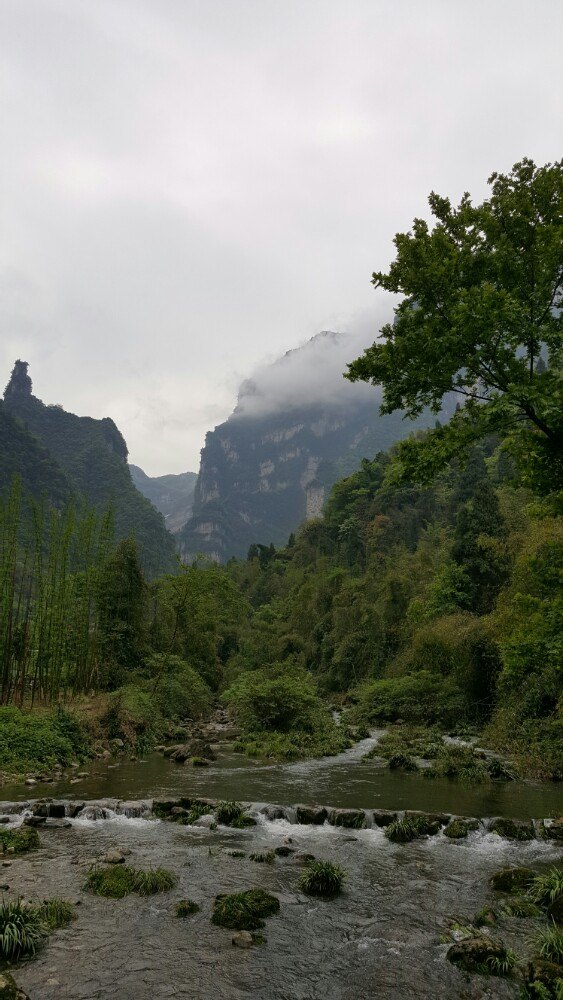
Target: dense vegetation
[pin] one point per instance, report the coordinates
(429, 591)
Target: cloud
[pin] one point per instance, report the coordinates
(310, 375)
(189, 187)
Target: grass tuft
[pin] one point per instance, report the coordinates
(244, 911)
(22, 930)
(186, 908)
(22, 840)
(120, 880)
(57, 913)
(322, 878)
(549, 942)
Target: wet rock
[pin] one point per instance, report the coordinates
(134, 808)
(35, 820)
(4, 819)
(73, 808)
(512, 879)
(351, 819)
(198, 762)
(242, 939)
(441, 818)
(275, 812)
(163, 807)
(512, 829)
(547, 974)
(472, 953)
(30, 781)
(93, 812)
(57, 810)
(178, 811)
(283, 851)
(303, 859)
(9, 990)
(310, 815)
(554, 830)
(458, 829)
(115, 856)
(383, 817)
(41, 809)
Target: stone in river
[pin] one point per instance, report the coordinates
(311, 815)
(242, 939)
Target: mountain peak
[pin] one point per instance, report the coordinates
(20, 383)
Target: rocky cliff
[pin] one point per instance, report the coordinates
(82, 457)
(297, 428)
(172, 495)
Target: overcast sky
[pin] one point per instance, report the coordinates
(188, 189)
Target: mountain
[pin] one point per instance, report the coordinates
(83, 457)
(23, 456)
(297, 428)
(172, 495)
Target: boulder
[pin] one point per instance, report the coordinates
(276, 812)
(547, 974)
(512, 829)
(57, 810)
(472, 953)
(383, 817)
(441, 818)
(310, 815)
(242, 939)
(9, 990)
(115, 856)
(512, 879)
(283, 851)
(351, 819)
(554, 830)
(34, 820)
(4, 819)
(303, 859)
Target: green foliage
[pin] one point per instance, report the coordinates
(186, 908)
(20, 841)
(177, 688)
(547, 887)
(22, 930)
(481, 290)
(415, 698)
(30, 741)
(133, 717)
(322, 878)
(244, 910)
(118, 881)
(549, 944)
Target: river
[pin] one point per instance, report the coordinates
(381, 938)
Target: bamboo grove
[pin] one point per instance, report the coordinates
(51, 563)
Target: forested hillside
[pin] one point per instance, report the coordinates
(91, 457)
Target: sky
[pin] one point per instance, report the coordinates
(190, 188)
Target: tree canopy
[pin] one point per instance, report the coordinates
(481, 316)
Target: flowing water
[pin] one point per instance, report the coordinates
(349, 780)
(380, 939)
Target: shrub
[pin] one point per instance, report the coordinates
(186, 908)
(22, 840)
(22, 930)
(456, 829)
(31, 741)
(178, 690)
(402, 762)
(57, 913)
(322, 878)
(418, 697)
(120, 880)
(244, 911)
(276, 700)
(133, 717)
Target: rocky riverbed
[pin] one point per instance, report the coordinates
(381, 937)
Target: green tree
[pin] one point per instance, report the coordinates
(122, 604)
(482, 301)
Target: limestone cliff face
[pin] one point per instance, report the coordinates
(263, 473)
